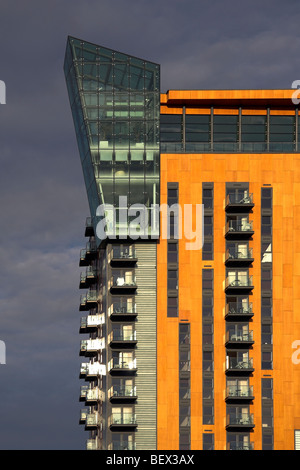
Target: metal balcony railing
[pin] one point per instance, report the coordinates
(237, 226)
(239, 391)
(122, 419)
(239, 308)
(122, 446)
(240, 446)
(239, 336)
(123, 253)
(128, 364)
(239, 365)
(243, 419)
(242, 282)
(122, 392)
(239, 255)
(242, 198)
(119, 335)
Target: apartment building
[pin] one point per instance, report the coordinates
(186, 349)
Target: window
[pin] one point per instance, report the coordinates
(197, 132)
(267, 413)
(225, 132)
(171, 132)
(184, 387)
(254, 133)
(208, 441)
(282, 133)
(208, 203)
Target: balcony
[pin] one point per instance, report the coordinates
(243, 283)
(122, 339)
(122, 311)
(93, 421)
(83, 261)
(243, 393)
(83, 415)
(93, 444)
(122, 446)
(239, 366)
(123, 421)
(88, 300)
(236, 257)
(239, 338)
(90, 347)
(241, 421)
(123, 256)
(91, 323)
(88, 254)
(122, 367)
(89, 229)
(237, 229)
(91, 396)
(240, 446)
(122, 283)
(240, 201)
(87, 278)
(238, 311)
(122, 394)
(91, 370)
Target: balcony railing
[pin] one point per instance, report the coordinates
(125, 419)
(88, 277)
(91, 322)
(93, 444)
(240, 446)
(93, 420)
(239, 337)
(237, 227)
(122, 392)
(242, 392)
(90, 395)
(90, 370)
(123, 282)
(239, 257)
(83, 261)
(123, 253)
(89, 229)
(88, 300)
(240, 199)
(91, 345)
(83, 415)
(244, 282)
(236, 309)
(241, 420)
(122, 446)
(237, 365)
(122, 310)
(122, 336)
(229, 147)
(121, 365)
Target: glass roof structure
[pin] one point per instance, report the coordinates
(115, 103)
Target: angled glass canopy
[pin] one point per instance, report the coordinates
(115, 103)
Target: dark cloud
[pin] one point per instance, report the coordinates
(43, 204)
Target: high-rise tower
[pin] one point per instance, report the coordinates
(187, 349)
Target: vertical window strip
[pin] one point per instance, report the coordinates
(208, 203)
(266, 278)
(184, 387)
(208, 441)
(267, 414)
(172, 255)
(208, 346)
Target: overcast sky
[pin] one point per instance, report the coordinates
(43, 204)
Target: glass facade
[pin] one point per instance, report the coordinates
(115, 102)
